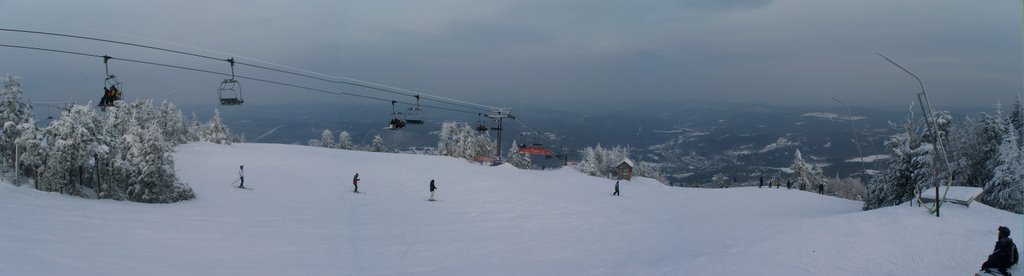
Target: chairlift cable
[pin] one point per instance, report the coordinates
(378, 87)
(106, 57)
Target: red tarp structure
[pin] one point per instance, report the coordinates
(536, 151)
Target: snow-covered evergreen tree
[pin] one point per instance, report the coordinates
(1004, 190)
(517, 159)
(446, 139)
(216, 131)
(801, 171)
(195, 129)
(588, 164)
(327, 139)
(73, 144)
(720, 181)
(32, 149)
(895, 184)
(172, 123)
(1017, 118)
(378, 144)
(153, 179)
(345, 141)
(458, 139)
(15, 110)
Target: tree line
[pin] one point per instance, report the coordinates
(122, 153)
(983, 151)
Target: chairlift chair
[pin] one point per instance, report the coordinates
(414, 115)
(112, 89)
(230, 91)
(397, 122)
(481, 127)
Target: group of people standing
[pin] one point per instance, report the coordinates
(789, 184)
(355, 183)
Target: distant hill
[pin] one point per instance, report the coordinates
(692, 141)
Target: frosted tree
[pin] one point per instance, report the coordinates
(1017, 118)
(172, 123)
(1004, 191)
(14, 111)
(446, 139)
(216, 131)
(720, 181)
(600, 162)
(517, 159)
(195, 129)
(481, 144)
(801, 170)
(649, 170)
(72, 143)
(327, 139)
(32, 149)
(458, 139)
(895, 184)
(378, 144)
(345, 141)
(992, 133)
(153, 179)
(588, 164)
(966, 151)
(925, 171)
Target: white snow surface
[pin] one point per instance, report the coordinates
(301, 218)
(831, 116)
(869, 158)
(954, 193)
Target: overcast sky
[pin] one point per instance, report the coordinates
(551, 52)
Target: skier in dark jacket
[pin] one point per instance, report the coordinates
(432, 188)
(616, 193)
(760, 182)
(241, 176)
(1003, 256)
(355, 182)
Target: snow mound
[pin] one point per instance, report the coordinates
(301, 218)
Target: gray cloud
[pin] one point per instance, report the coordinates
(557, 52)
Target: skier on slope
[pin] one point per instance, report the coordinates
(355, 182)
(616, 193)
(760, 182)
(432, 189)
(1003, 256)
(241, 176)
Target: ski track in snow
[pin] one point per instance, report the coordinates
(302, 219)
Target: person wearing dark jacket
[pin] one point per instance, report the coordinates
(355, 182)
(432, 188)
(241, 176)
(760, 182)
(616, 193)
(1003, 256)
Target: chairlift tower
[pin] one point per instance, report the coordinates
(498, 114)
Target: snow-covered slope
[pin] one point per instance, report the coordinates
(301, 218)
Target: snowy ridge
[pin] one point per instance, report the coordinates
(869, 159)
(831, 116)
(302, 219)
